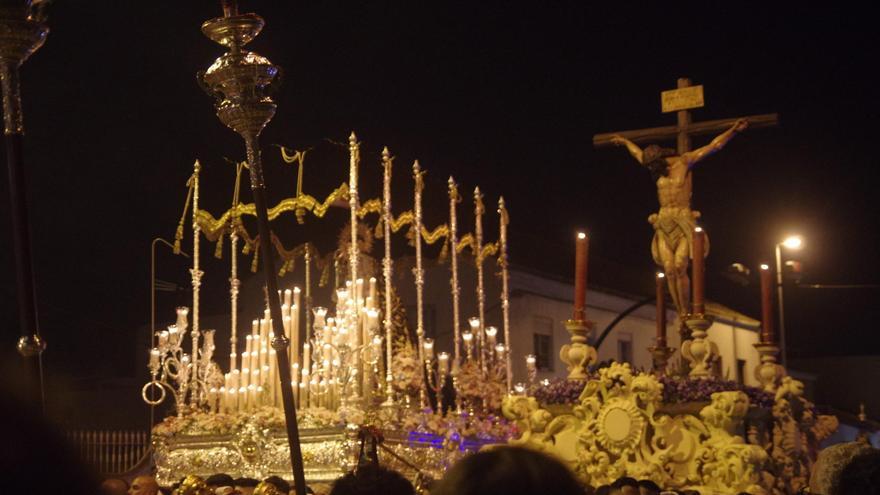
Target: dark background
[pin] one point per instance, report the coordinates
(504, 95)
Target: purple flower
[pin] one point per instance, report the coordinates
(686, 389)
(558, 391)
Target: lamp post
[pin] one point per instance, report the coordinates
(791, 242)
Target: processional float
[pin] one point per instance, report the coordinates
(683, 427)
(331, 372)
(336, 374)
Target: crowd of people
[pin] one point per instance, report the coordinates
(504, 470)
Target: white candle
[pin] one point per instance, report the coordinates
(163, 339)
(443, 362)
(429, 349)
(264, 344)
(225, 397)
(294, 326)
(182, 321)
(377, 347)
(531, 361)
(304, 388)
(499, 350)
(294, 382)
(491, 333)
(373, 293)
(287, 294)
(307, 351)
(273, 380)
(329, 328)
(285, 322)
(468, 338)
(474, 322)
(373, 320)
(235, 381)
(155, 356)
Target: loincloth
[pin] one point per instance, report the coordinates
(673, 228)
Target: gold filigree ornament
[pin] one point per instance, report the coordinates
(620, 426)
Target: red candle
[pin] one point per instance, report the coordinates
(661, 309)
(766, 305)
(698, 270)
(580, 277)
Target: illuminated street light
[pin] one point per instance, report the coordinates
(793, 242)
(790, 242)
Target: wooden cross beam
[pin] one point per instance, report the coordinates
(685, 129)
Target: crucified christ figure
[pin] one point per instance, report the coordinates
(675, 222)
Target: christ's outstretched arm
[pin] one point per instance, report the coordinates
(633, 149)
(692, 157)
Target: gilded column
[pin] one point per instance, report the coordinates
(419, 274)
(479, 210)
(504, 219)
(453, 250)
(196, 273)
(386, 273)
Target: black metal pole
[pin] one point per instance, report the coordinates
(21, 33)
(280, 343)
(620, 318)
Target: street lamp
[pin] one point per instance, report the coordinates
(790, 242)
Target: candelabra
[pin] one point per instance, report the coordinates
(436, 380)
(347, 350)
(168, 363)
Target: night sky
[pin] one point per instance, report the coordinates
(499, 94)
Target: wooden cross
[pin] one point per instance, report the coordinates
(685, 128)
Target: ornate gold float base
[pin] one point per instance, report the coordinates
(619, 426)
(254, 446)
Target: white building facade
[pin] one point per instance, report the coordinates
(539, 306)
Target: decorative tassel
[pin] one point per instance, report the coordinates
(378, 232)
(444, 253)
(178, 236)
(256, 262)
